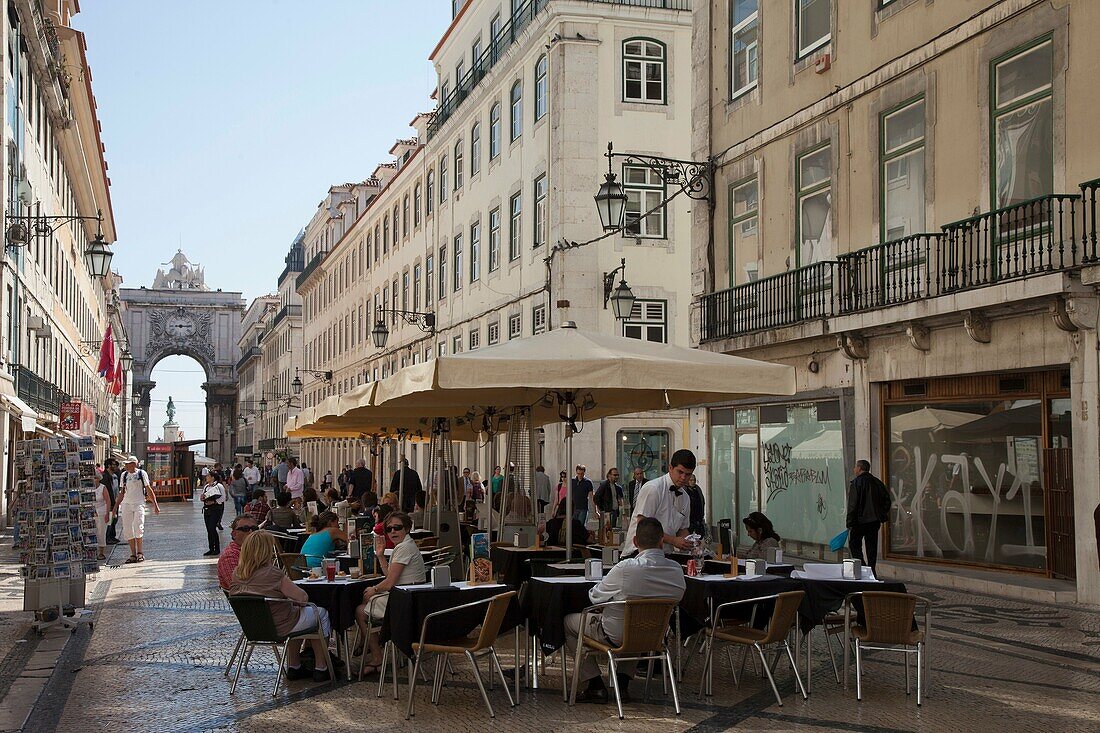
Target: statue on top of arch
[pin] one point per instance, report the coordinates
(182, 275)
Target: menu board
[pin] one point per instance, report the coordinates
(55, 507)
(481, 568)
(158, 461)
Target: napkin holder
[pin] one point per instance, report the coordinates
(354, 549)
(441, 576)
(593, 569)
(755, 567)
(851, 569)
(610, 555)
(774, 556)
(517, 539)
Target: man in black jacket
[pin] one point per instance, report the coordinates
(634, 488)
(412, 485)
(868, 507)
(362, 480)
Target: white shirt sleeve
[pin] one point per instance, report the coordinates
(648, 502)
(611, 587)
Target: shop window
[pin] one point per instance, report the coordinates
(644, 449)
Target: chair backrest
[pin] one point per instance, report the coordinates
(291, 562)
(645, 624)
(888, 616)
(427, 543)
(254, 616)
(783, 615)
(494, 617)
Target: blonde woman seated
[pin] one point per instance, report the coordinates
(404, 567)
(257, 574)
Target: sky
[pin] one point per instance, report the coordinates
(225, 122)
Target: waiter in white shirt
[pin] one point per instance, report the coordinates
(664, 499)
(647, 575)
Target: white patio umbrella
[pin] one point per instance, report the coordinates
(571, 376)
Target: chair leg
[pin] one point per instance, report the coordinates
(252, 648)
(708, 660)
(564, 686)
(920, 664)
(328, 657)
(648, 677)
(614, 683)
(859, 672)
(733, 666)
(282, 667)
(233, 657)
(832, 657)
(503, 679)
(417, 656)
(240, 665)
(480, 684)
(768, 671)
(578, 658)
(437, 679)
(394, 663)
(672, 681)
(905, 655)
(794, 668)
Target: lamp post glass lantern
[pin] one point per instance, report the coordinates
(380, 334)
(98, 256)
(296, 385)
(126, 361)
(611, 203)
(622, 301)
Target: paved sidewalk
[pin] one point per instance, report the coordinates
(164, 633)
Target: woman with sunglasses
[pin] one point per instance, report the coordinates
(404, 567)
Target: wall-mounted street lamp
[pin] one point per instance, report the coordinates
(621, 297)
(20, 230)
(323, 375)
(380, 333)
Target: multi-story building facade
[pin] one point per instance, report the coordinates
(54, 312)
(254, 324)
(906, 216)
(464, 221)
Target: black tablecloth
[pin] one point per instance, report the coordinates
(696, 604)
(510, 563)
(548, 604)
(339, 598)
(407, 608)
(826, 596)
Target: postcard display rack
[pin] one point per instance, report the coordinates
(56, 523)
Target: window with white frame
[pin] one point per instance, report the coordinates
(515, 232)
(417, 195)
(457, 269)
(744, 241)
(814, 204)
(405, 215)
(385, 233)
(494, 240)
(475, 338)
(515, 325)
(429, 193)
(475, 251)
(541, 87)
(494, 131)
(813, 24)
(429, 267)
(396, 224)
(643, 71)
(744, 46)
(1023, 123)
(644, 193)
(441, 348)
(538, 319)
(456, 344)
(417, 280)
(442, 178)
(516, 109)
(458, 164)
(427, 353)
(540, 211)
(475, 149)
(443, 272)
(902, 172)
(648, 321)
(494, 332)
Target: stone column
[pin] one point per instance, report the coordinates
(143, 389)
(1084, 383)
(221, 400)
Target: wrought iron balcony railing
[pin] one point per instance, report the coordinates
(40, 394)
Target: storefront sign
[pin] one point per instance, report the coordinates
(77, 417)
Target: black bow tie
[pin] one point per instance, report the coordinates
(676, 490)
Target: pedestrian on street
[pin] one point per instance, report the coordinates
(868, 507)
(213, 506)
(412, 485)
(252, 476)
(609, 497)
(542, 489)
(109, 480)
(238, 489)
(582, 490)
(280, 473)
(698, 514)
(135, 490)
(295, 479)
(634, 488)
(362, 481)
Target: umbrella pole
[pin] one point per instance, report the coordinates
(568, 494)
(401, 476)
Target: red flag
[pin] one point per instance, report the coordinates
(107, 354)
(116, 383)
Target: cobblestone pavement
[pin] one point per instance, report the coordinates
(163, 635)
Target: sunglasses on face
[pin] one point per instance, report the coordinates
(395, 528)
(246, 528)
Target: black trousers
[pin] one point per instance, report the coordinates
(212, 517)
(867, 532)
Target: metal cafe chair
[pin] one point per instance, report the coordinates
(258, 625)
(645, 639)
(482, 645)
(784, 615)
(889, 626)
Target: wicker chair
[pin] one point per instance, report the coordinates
(495, 609)
(294, 564)
(645, 633)
(889, 626)
(784, 615)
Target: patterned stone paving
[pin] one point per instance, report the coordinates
(163, 635)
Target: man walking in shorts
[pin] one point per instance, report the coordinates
(134, 490)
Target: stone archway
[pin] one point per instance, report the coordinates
(180, 315)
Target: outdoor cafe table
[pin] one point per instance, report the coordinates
(714, 566)
(339, 598)
(510, 563)
(549, 601)
(704, 593)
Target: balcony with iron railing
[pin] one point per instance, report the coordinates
(509, 33)
(285, 311)
(1047, 234)
(40, 394)
(249, 353)
(313, 264)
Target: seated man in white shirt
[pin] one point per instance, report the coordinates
(647, 575)
(664, 499)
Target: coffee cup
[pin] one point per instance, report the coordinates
(354, 571)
